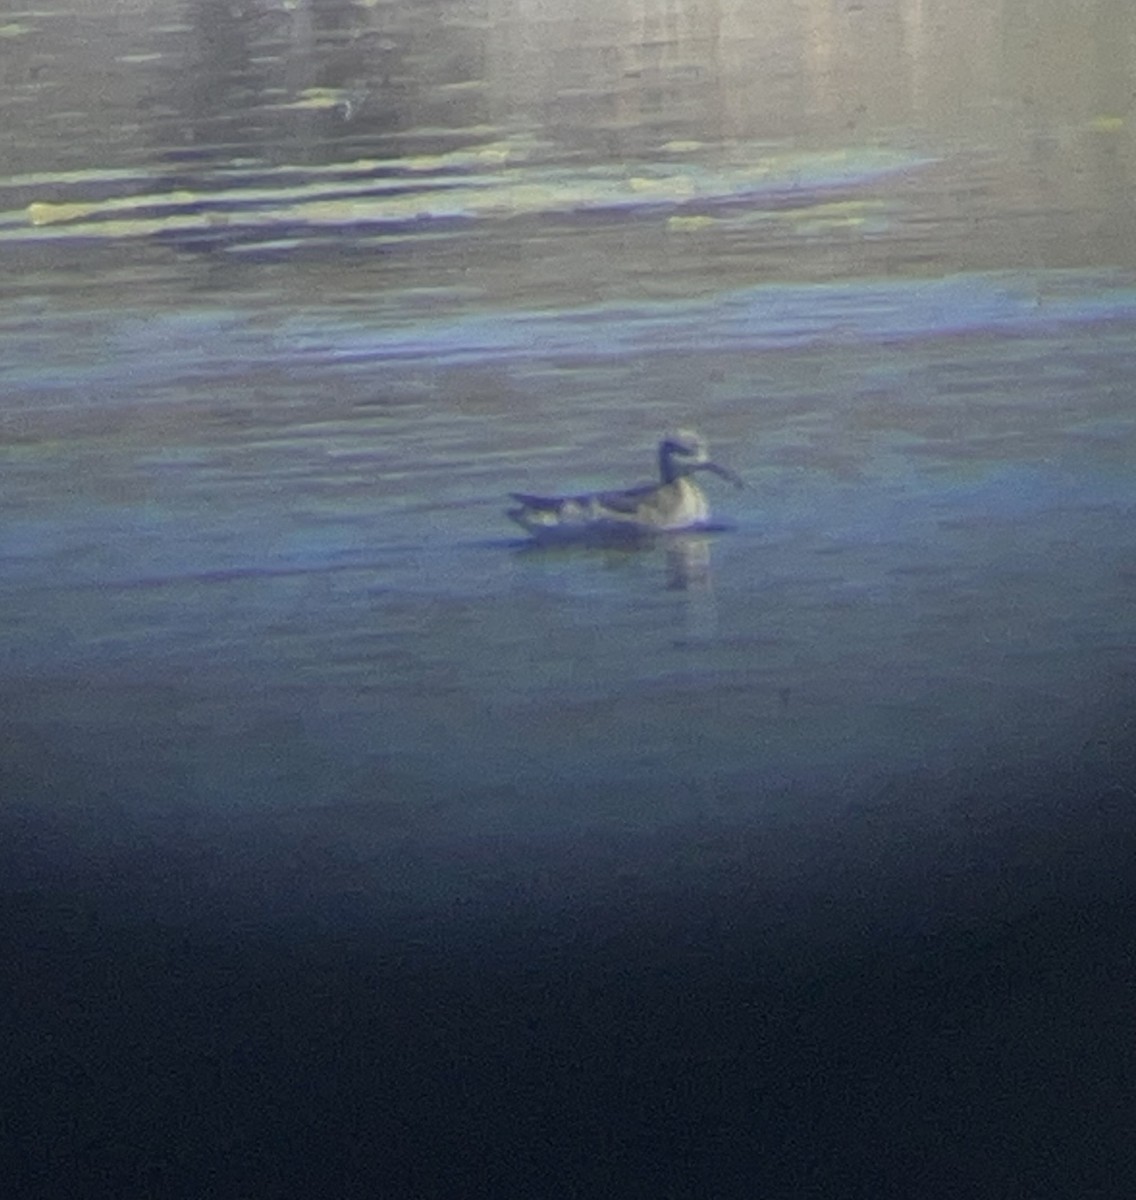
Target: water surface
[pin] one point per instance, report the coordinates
(293, 295)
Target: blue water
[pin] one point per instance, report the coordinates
(352, 846)
(130, 351)
(756, 319)
(929, 564)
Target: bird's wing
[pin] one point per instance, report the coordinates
(627, 501)
(543, 503)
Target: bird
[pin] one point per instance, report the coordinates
(674, 503)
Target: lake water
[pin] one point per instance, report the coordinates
(293, 295)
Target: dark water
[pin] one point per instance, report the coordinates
(352, 846)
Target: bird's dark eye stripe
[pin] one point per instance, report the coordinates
(677, 448)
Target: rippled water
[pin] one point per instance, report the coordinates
(293, 293)
(274, 350)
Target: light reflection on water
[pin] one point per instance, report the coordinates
(346, 836)
(273, 356)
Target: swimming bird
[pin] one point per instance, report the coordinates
(674, 503)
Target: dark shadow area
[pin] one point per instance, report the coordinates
(930, 997)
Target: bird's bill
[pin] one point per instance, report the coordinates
(724, 472)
